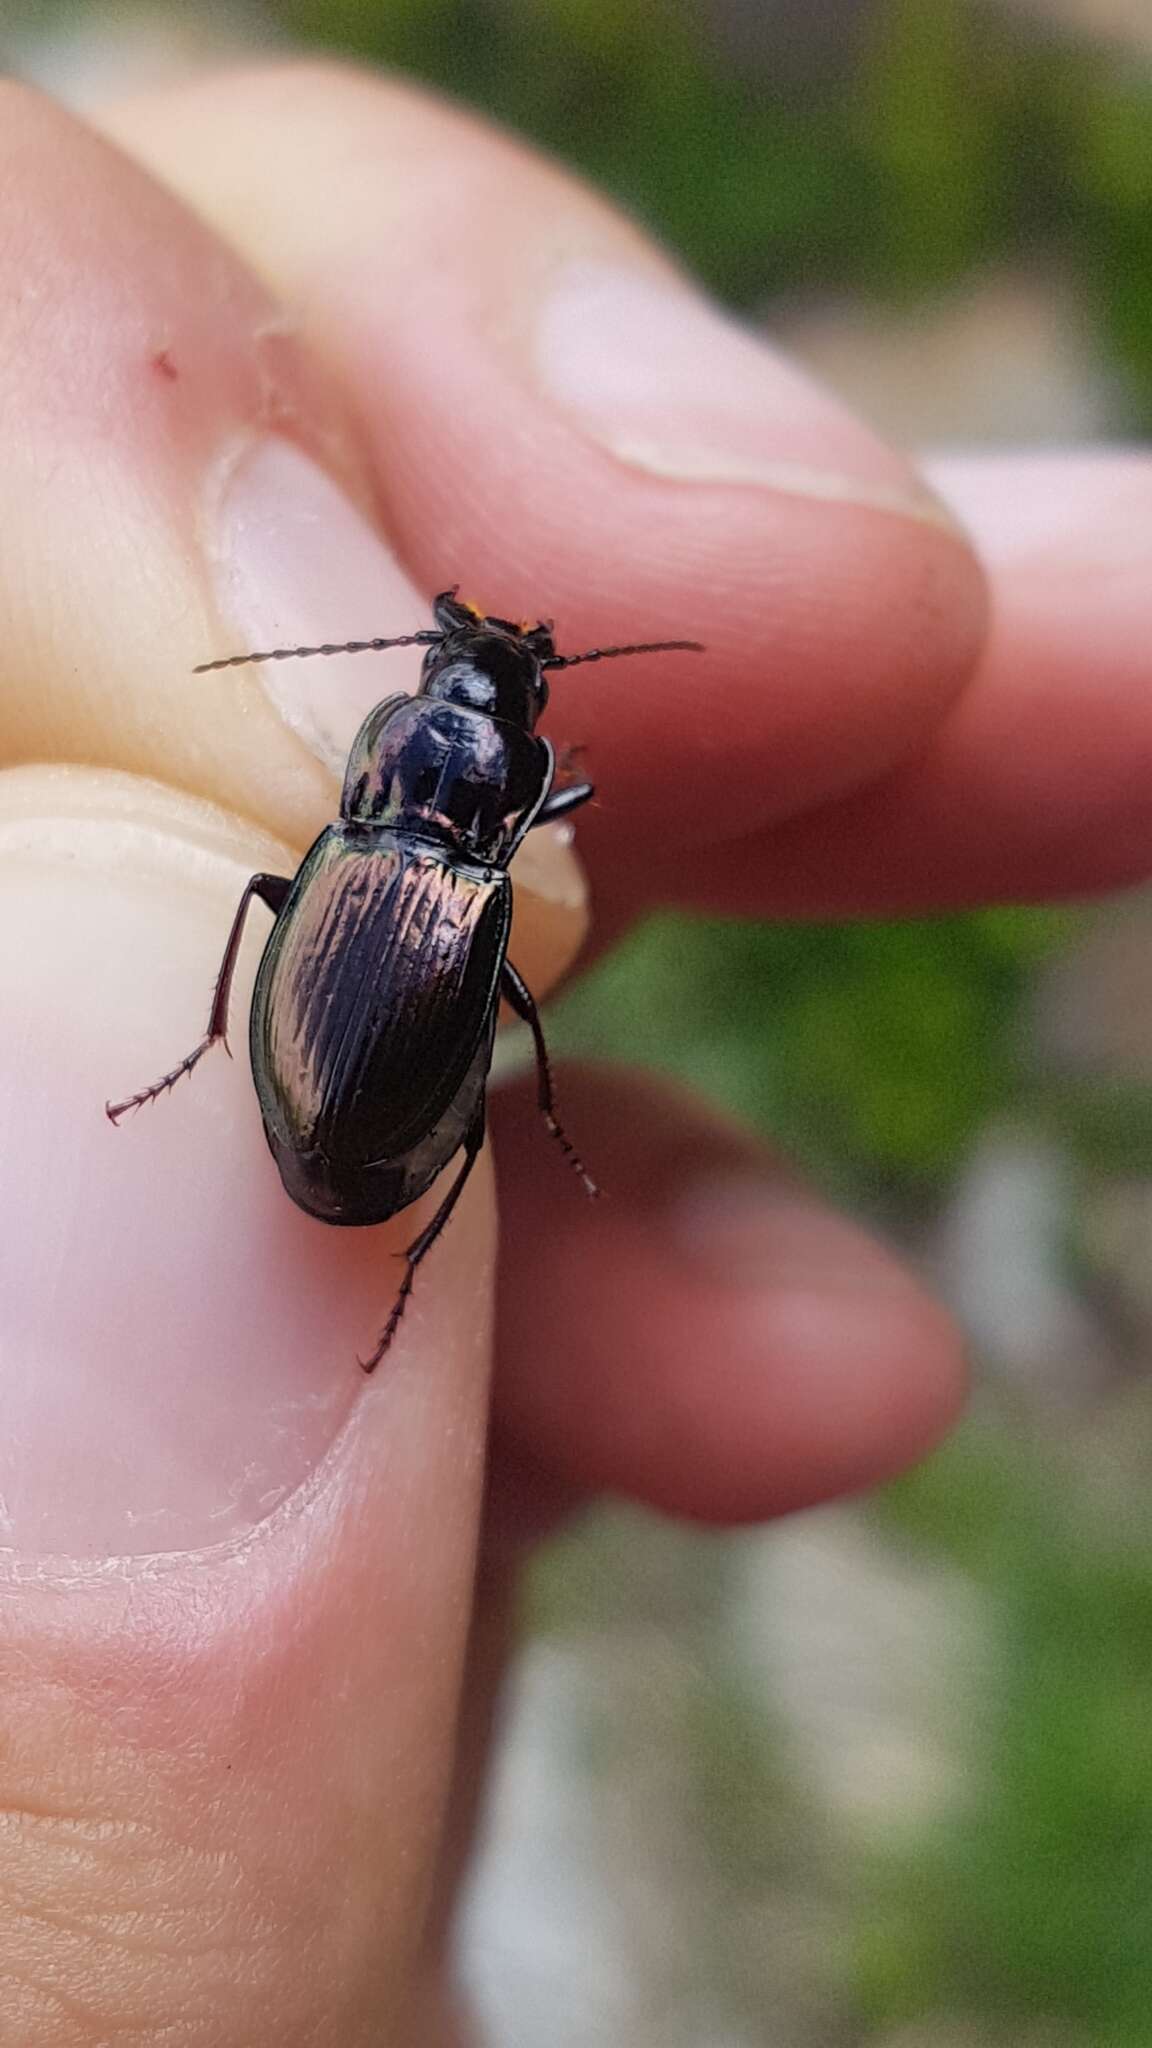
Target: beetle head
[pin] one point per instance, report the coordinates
(487, 663)
(489, 672)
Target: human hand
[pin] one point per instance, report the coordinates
(238, 1612)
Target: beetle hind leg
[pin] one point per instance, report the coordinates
(115, 1110)
(272, 890)
(518, 996)
(422, 1245)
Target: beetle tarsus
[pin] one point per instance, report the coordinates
(272, 890)
(368, 1365)
(115, 1110)
(592, 1188)
(422, 1245)
(519, 997)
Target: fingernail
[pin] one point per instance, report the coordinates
(297, 564)
(1025, 508)
(747, 1230)
(675, 389)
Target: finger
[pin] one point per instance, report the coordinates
(229, 1688)
(1047, 753)
(236, 1575)
(708, 1338)
(557, 420)
(1037, 784)
(173, 446)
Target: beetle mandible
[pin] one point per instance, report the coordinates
(374, 1009)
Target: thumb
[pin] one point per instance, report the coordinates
(238, 1579)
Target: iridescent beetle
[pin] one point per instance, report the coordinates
(374, 1010)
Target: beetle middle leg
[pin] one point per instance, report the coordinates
(272, 890)
(518, 996)
(422, 1245)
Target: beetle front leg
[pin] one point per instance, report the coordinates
(518, 996)
(562, 802)
(422, 1245)
(272, 890)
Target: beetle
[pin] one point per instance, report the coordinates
(374, 1009)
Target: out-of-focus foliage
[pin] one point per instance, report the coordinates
(874, 1051)
(1034, 1904)
(929, 136)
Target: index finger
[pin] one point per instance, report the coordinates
(555, 419)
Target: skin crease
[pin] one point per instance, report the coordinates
(242, 1724)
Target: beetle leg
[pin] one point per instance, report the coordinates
(422, 1245)
(562, 801)
(272, 890)
(518, 996)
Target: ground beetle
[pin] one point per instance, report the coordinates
(375, 1004)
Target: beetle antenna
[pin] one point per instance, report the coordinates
(425, 639)
(610, 653)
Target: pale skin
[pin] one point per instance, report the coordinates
(244, 1732)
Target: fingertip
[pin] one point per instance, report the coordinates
(712, 1341)
(1036, 786)
(556, 414)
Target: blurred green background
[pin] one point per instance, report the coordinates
(932, 1827)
